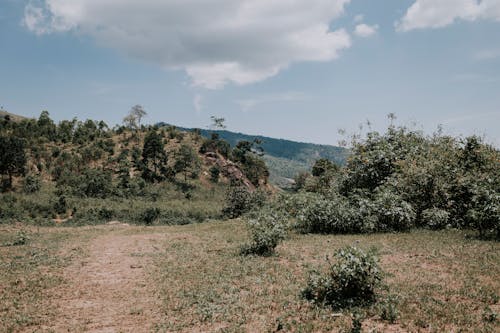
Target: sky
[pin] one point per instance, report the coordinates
(294, 69)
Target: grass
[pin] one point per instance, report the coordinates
(31, 264)
(206, 202)
(442, 281)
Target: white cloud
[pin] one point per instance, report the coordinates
(365, 30)
(440, 13)
(251, 103)
(215, 41)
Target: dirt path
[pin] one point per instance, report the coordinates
(108, 291)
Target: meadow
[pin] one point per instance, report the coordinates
(198, 282)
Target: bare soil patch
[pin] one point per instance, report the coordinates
(108, 290)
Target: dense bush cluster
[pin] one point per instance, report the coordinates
(404, 179)
(352, 280)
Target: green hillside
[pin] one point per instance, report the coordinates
(284, 158)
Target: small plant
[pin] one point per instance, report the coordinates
(267, 231)
(357, 321)
(489, 315)
(351, 281)
(388, 309)
(21, 238)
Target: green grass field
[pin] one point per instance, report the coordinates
(443, 281)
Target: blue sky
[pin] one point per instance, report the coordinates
(296, 69)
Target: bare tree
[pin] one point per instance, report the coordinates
(134, 117)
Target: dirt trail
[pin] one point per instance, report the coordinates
(108, 291)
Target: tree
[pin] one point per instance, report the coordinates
(217, 123)
(187, 162)
(322, 167)
(46, 126)
(13, 159)
(134, 117)
(154, 158)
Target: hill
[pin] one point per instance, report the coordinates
(284, 158)
(14, 117)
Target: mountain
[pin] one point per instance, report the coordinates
(284, 158)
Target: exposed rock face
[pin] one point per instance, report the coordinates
(229, 169)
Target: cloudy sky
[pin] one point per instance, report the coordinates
(297, 69)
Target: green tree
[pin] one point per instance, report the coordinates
(187, 162)
(13, 158)
(154, 158)
(46, 126)
(323, 166)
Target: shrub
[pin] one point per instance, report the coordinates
(351, 281)
(93, 183)
(392, 212)
(149, 215)
(435, 218)
(61, 205)
(267, 231)
(238, 202)
(105, 213)
(484, 215)
(329, 215)
(31, 184)
(214, 174)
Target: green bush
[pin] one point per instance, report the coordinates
(238, 202)
(351, 281)
(435, 218)
(149, 215)
(392, 212)
(31, 184)
(267, 231)
(484, 214)
(328, 215)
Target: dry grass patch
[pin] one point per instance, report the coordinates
(443, 281)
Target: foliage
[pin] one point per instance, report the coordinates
(154, 158)
(149, 215)
(351, 281)
(214, 174)
(392, 212)
(13, 159)
(267, 230)
(239, 200)
(187, 162)
(435, 218)
(31, 184)
(323, 166)
(94, 183)
(334, 215)
(403, 179)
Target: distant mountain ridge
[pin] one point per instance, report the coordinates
(285, 158)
